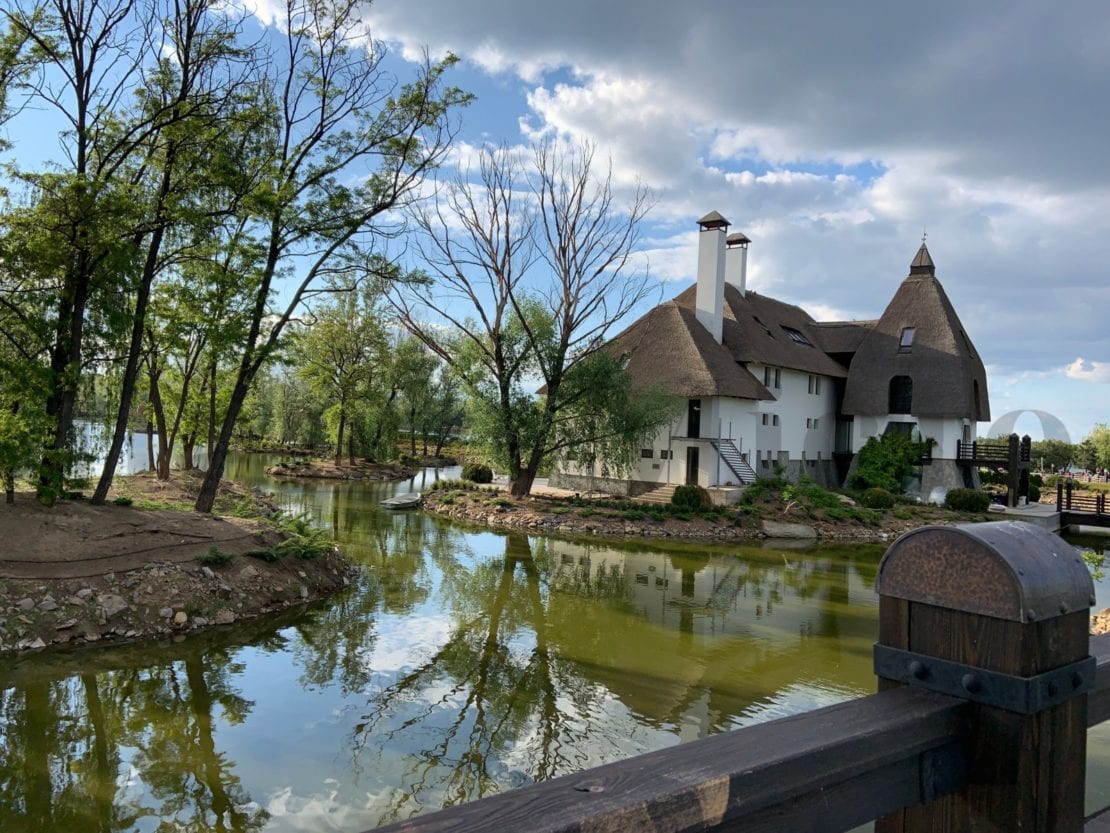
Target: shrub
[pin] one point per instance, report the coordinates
(967, 500)
(1034, 492)
(691, 497)
(876, 498)
(215, 558)
(477, 473)
(122, 501)
(883, 462)
(808, 494)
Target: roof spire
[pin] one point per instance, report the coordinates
(923, 263)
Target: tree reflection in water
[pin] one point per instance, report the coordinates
(129, 746)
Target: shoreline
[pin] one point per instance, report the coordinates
(80, 574)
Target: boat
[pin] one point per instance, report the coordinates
(407, 501)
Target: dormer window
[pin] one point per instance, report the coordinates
(797, 336)
(906, 342)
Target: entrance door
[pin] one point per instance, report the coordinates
(693, 419)
(692, 464)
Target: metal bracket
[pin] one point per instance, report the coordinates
(1025, 695)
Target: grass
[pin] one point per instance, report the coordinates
(215, 558)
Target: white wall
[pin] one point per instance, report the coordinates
(946, 431)
(794, 405)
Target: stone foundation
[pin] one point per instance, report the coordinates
(609, 485)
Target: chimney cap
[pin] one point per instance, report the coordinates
(713, 220)
(737, 238)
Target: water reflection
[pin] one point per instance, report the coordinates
(460, 664)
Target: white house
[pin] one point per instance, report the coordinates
(768, 387)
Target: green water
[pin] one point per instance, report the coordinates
(462, 663)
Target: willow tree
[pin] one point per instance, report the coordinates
(533, 267)
(349, 146)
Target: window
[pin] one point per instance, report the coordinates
(665, 454)
(766, 377)
(797, 336)
(817, 385)
(775, 420)
(906, 342)
(778, 378)
(809, 422)
(901, 395)
(766, 419)
(815, 421)
(811, 384)
(646, 454)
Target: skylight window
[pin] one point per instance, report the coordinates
(907, 338)
(797, 336)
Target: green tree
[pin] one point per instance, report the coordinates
(1052, 454)
(350, 146)
(531, 285)
(1099, 438)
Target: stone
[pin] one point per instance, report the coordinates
(85, 593)
(180, 618)
(38, 643)
(65, 624)
(208, 572)
(165, 613)
(111, 604)
(778, 529)
(304, 592)
(199, 622)
(995, 507)
(47, 605)
(224, 617)
(847, 501)
(26, 604)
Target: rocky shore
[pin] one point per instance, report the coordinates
(76, 573)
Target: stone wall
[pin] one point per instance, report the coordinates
(609, 485)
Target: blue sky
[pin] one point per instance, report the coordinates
(832, 135)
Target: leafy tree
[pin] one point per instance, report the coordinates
(1099, 438)
(349, 147)
(532, 268)
(1055, 454)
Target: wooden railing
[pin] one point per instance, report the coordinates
(989, 452)
(995, 613)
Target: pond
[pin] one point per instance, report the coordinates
(462, 663)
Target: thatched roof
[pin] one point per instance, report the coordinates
(757, 330)
(669, 347)
(947, 373)
(843, 336)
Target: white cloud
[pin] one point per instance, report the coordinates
(1088, 371)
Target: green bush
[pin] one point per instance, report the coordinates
(876, 498)
(967, 500)
(477, 473)
(215, 558)
(808, 494)
(691, 497)
(122, 501)
(885, 461)
(1034, 492)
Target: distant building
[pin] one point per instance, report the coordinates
(767, 386)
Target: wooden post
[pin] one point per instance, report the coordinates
(997, 597)
(1012, 475)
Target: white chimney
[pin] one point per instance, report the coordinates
(710, 298)
(736, 261)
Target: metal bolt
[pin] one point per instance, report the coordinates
(970, 683)
(918, 670)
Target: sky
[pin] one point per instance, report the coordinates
(834, 135)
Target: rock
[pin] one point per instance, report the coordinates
(46, 605)
(180, 618)
(25, 604)
(777, 529)
(74, 600)
(847, 501)
(65, 624)
(85, 593)
(304, 592)
(111, 604)
(111, 577)
(38, 643)
(165, 613)
(208, 572)
(250, 571)
(199, 622)
(995, 507)
(224, 617)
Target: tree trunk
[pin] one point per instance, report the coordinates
(151, 463)
(162, 469)
(188, 442)
(521, 486)
(212, 370)
(339, 436)
(9, 485)
(412, 430)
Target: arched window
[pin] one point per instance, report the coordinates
(901, 395)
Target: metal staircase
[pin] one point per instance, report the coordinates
(745, 474)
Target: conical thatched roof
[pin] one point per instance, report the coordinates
(669, 347)
(947, 373)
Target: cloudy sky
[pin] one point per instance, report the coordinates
(833, 134)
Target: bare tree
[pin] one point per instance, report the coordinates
(533, 268)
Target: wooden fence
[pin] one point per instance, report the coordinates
(987, 682)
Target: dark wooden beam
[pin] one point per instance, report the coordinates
(822, 771)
